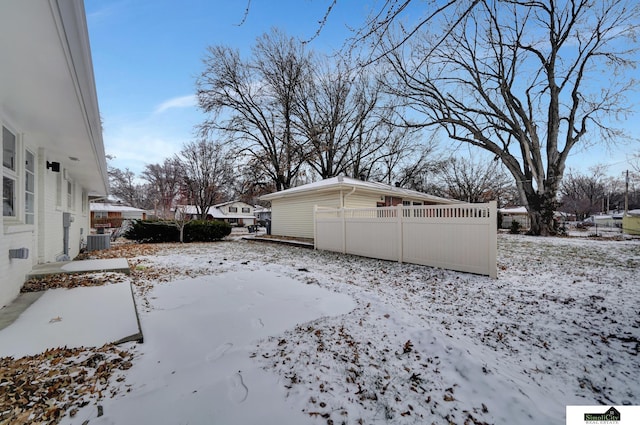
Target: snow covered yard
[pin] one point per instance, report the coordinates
(289, 335)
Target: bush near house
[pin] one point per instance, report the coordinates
(206, 230)
(515, 227)
(154, 231)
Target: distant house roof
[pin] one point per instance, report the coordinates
(232, 202)
(215, 212)
(513, 210)
(100, 206)
(348, 183)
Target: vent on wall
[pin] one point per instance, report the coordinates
(20, 253)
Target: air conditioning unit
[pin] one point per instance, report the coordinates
(98, 242)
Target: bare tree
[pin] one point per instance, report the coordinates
(207, 171)
(258, 97)
(164, 180)
(341, 116)
(180, 220)
(124, 187)
(524, 80)
(475, 181)
(584, 194)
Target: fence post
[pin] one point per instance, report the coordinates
(493, 239)
(400, 238)
(344, 231)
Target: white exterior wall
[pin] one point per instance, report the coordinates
(294, 216)
(361, 200)
(43, 238)
(52, 247)
(239, 206)
(48, 101)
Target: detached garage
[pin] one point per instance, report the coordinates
(292, 209)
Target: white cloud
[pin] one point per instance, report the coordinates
(177, 102)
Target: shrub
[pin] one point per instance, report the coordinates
(205, 231)
(153, 231)
(515, 227)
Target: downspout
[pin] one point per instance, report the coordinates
(345, 196)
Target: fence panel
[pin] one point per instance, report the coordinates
(329, 229)
(460, 237)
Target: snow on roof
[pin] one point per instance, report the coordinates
(99, 206)
(513, 210)
(231, 202)
(348, 183)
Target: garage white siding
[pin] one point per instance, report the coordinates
(362, 200)
(294, 216)
(292, 209)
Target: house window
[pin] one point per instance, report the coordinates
(29, 188)
(233, 209)
(9, 175)
(71, 195)
(246, 210)
(84, 201)
(8, 197)
(8, 149)
(100, 214)
(59, 190)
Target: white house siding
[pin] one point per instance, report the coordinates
(48, 101)
(43, 238)
(361, 200)
(294, 216)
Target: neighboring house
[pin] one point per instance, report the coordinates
(52, 150)
(262, 214)
(518, 214)
(235, 213)
(113, 214)
(292, 209)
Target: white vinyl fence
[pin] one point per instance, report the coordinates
(461, 237)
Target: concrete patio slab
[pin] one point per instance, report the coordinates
(84, 266)
(10, 313)
(82, 316)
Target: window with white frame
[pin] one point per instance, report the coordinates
(233, 209)
(29, 187)
(70, 195)
(83, 201)
(9, 173)
(59, 190)
(246, 210)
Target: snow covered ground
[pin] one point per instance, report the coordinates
(243, 332)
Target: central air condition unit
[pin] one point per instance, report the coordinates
(98, 242)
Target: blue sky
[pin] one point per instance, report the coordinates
(148, 53)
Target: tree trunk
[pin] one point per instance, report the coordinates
(541, 208)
